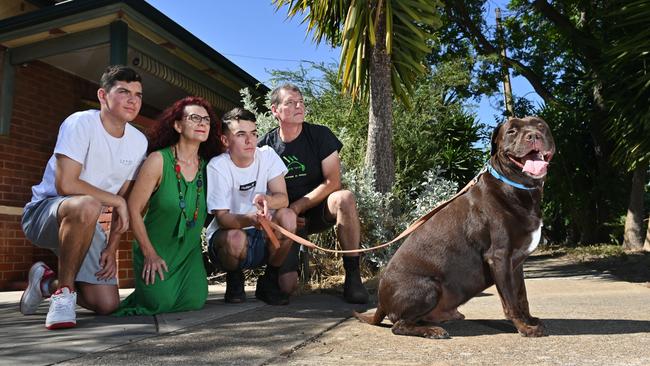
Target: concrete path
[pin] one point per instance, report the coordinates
(593, 319)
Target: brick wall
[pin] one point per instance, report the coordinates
(16, 252)
(43, 97)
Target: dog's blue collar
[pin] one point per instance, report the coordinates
(506, 180)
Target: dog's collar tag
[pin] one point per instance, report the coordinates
(506, 180)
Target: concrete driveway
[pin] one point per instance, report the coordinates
(592, 319)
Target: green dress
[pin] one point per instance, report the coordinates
(185, 286)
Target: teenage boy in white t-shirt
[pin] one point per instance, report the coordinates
(95, 160)
(244, 183)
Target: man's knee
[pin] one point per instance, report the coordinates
(235, 242)
(344, 200)
(287, 219)
(232, 244)
(101, 299)
(107, 307)
(82, 210)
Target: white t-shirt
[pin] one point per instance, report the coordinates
(107, 162)
(233, 188)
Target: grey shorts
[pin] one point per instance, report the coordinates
(41, 227)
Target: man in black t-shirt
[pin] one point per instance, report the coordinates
(310, 153)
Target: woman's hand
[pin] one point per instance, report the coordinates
(153, 264)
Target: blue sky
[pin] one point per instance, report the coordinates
(257, 38)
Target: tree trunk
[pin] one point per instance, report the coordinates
(379, 153)
(597, 211)
(633, 236)
(646, 245)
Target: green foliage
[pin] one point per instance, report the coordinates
(379, 39)
(265, 120)
(433, 190)
(588, 61)
(571, 214)
(588, 252)
(378, 214)
(437, 131)
(628, 64)
(383, 216)
(353, 25)
(617, 230)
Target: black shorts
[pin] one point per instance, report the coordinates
(315, 222)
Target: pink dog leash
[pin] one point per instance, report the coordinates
(268, 226)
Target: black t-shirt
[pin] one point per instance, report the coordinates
(303, 156)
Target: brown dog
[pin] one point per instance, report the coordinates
(479, 239)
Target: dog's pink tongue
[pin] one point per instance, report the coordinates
(535, 167)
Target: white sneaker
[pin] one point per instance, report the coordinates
(62, 309)
(33, 295)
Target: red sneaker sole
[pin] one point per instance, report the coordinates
(62, 325)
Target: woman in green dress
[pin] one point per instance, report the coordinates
(170, 192)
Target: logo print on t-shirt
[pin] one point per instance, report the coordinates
(247, 186)
(294, 166)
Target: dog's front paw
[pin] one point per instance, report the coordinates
(436, 333)
(532, 330)
(533, 321)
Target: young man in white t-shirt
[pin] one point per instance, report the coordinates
(244, 183)
(95, 160)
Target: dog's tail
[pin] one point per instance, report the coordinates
(374, 319)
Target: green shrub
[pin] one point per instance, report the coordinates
(265, 120)
(383, 216)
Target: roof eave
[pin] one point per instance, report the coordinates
(51, 13)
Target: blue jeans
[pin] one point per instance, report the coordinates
(256, 255)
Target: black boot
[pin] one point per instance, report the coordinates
(268, 288)
(353, 290)
(235, 281)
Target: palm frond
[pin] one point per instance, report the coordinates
(353, 25)
(628, 63)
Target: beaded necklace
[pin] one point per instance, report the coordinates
(181, 197)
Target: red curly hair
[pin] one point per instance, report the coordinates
(163, 133)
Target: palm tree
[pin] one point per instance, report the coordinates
(382, 45)
(629, 67)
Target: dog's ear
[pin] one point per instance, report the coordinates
(493, 143)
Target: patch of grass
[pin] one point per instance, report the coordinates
(328, 275)
(589, 252)
(583, 252)
(607, 258)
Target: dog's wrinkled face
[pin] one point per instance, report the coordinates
(525, 145)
